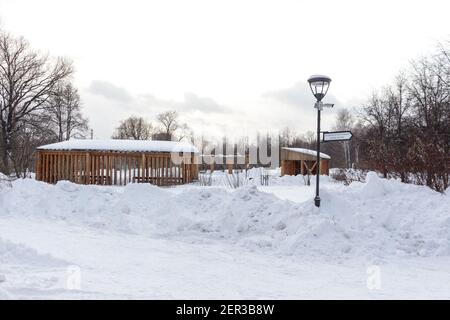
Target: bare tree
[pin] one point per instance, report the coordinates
(344, 122)
(430, 101)
(309, 140)
(168, 121)
(287, 136)
(184, 132)
(64, 112)
(171, 128)
(27, 79)
(31, 135)
(135, 128)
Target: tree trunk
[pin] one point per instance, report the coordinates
(4, 148)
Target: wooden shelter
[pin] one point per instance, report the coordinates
(296, 161)
(117, 162)
(224, 162)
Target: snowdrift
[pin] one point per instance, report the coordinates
(15, 257)
(18, 254)
(375, 219)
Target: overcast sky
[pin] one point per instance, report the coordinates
(229, 67)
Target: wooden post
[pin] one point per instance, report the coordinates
(106, 166)
(114, 170)
(149, 168)
(166, 171)
(93, 166)
(100, 169)
(50, 169)
(44, 166)
(65, 167)
(57, 167)
(37, 165)
(143, 168)
(69, 167)
(194, 167)
(158, 172)
(111, 173)
(170, 170)
(129, 169)
(75, 168)
(87, 166)
(120, 170)
(152, 171)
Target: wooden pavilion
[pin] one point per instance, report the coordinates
(117, 162)
(296, 161)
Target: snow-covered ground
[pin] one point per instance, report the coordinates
(380, 239)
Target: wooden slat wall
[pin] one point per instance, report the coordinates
(114, 168)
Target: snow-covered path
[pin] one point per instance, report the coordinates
(117, 265)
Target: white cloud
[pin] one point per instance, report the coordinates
(191, 102)
(298, 95)
(109, 91)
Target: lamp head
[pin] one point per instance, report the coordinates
(319, 85)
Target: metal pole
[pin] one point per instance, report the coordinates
(317, 198)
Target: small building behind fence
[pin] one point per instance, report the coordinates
(296, 161)
(117, 162)
(224, 162)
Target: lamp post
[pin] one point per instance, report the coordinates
(319, 86)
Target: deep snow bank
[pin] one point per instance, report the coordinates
(377, 218)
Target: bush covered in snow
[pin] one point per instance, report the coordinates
(347, 176)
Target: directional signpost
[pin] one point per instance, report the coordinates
(336, 136)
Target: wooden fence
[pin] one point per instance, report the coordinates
(115, 168)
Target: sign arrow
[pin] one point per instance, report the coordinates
(337, 136)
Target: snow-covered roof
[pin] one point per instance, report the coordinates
(308, 152)
(122, 145)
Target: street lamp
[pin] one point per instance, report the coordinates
(319, 85)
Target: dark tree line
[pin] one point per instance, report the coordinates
(407, 124)
(38, 103)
